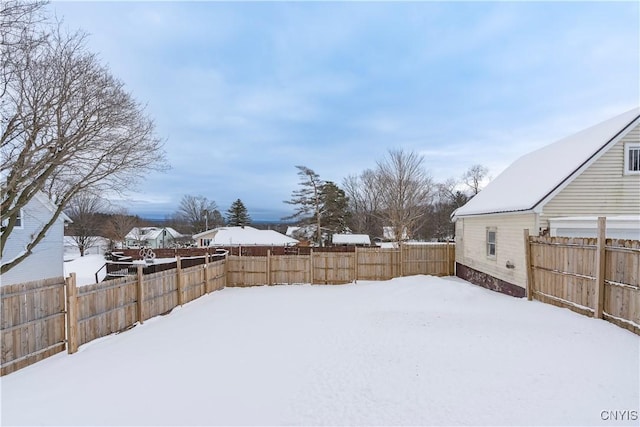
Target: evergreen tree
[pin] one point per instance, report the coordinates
(307, 200)
(335, 214)
(237, 215)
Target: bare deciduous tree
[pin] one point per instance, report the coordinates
(68, 125)
(118, 226)
(200, 213)
(364, 203)
(473, 177)
(86, 228)
(405, 190)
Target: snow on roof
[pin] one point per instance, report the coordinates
(146, 233)
(291, 229)
(245, 236)
(531, 178)
(351, 239)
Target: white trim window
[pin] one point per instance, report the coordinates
(492, 234)
(204, 242)
(19, 221)
(632, 158)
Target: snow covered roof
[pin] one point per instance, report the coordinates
(150, 233)
(351, 239)
(532, 179)
(291, 230)
(245, 236)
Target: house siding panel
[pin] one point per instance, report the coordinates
(602, 189)
(48, 256)
(471, 244)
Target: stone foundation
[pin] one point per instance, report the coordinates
(487, 281)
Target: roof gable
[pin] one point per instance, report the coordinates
(529, 180)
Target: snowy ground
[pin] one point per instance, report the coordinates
(411, 351)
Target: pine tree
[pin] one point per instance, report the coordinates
(307, 200)
(237, 215)
(335, 214)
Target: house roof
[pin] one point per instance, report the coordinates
(351, 239)
(150, 233)
(529, 181)
(48, 203)
(291, 229)
(245, 236)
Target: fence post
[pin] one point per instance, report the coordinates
(206, 273)
(600, 268)
(355, 267)
(226, 269)
(140, 295)
(72, 314)
(401, 269)
(527, 265)
(311, 266)
(448, 269)
(179, 279)
(268, 267)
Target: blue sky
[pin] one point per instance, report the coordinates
(244, 91)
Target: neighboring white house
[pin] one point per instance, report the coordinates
(151, 237)
(351, 239)
(625, 227)
(389, 234)
(595, 172)
(47, 258)
(242, 236)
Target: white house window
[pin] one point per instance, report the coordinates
(632, 158)
(491, 242)
(205, 242)
(19, 221)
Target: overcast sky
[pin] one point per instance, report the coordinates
(243, 92)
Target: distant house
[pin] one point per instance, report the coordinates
(151, 237)
(292, 230)
(47, 258)
(595, 172)
(242, 236)
(389, 234)
(351, 239)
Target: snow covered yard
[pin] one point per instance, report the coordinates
(411, 351)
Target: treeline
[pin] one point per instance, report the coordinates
(396, 200)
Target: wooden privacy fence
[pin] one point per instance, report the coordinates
(341, 267)
(32, 322)
(116, 305)
(40, 318)
(595, 277)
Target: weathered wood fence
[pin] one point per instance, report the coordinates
(596, 277)
(331, 268)
(32, 325)
(40, 319)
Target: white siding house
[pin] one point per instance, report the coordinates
(151, 237)
(595, 172)
(47, 258)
